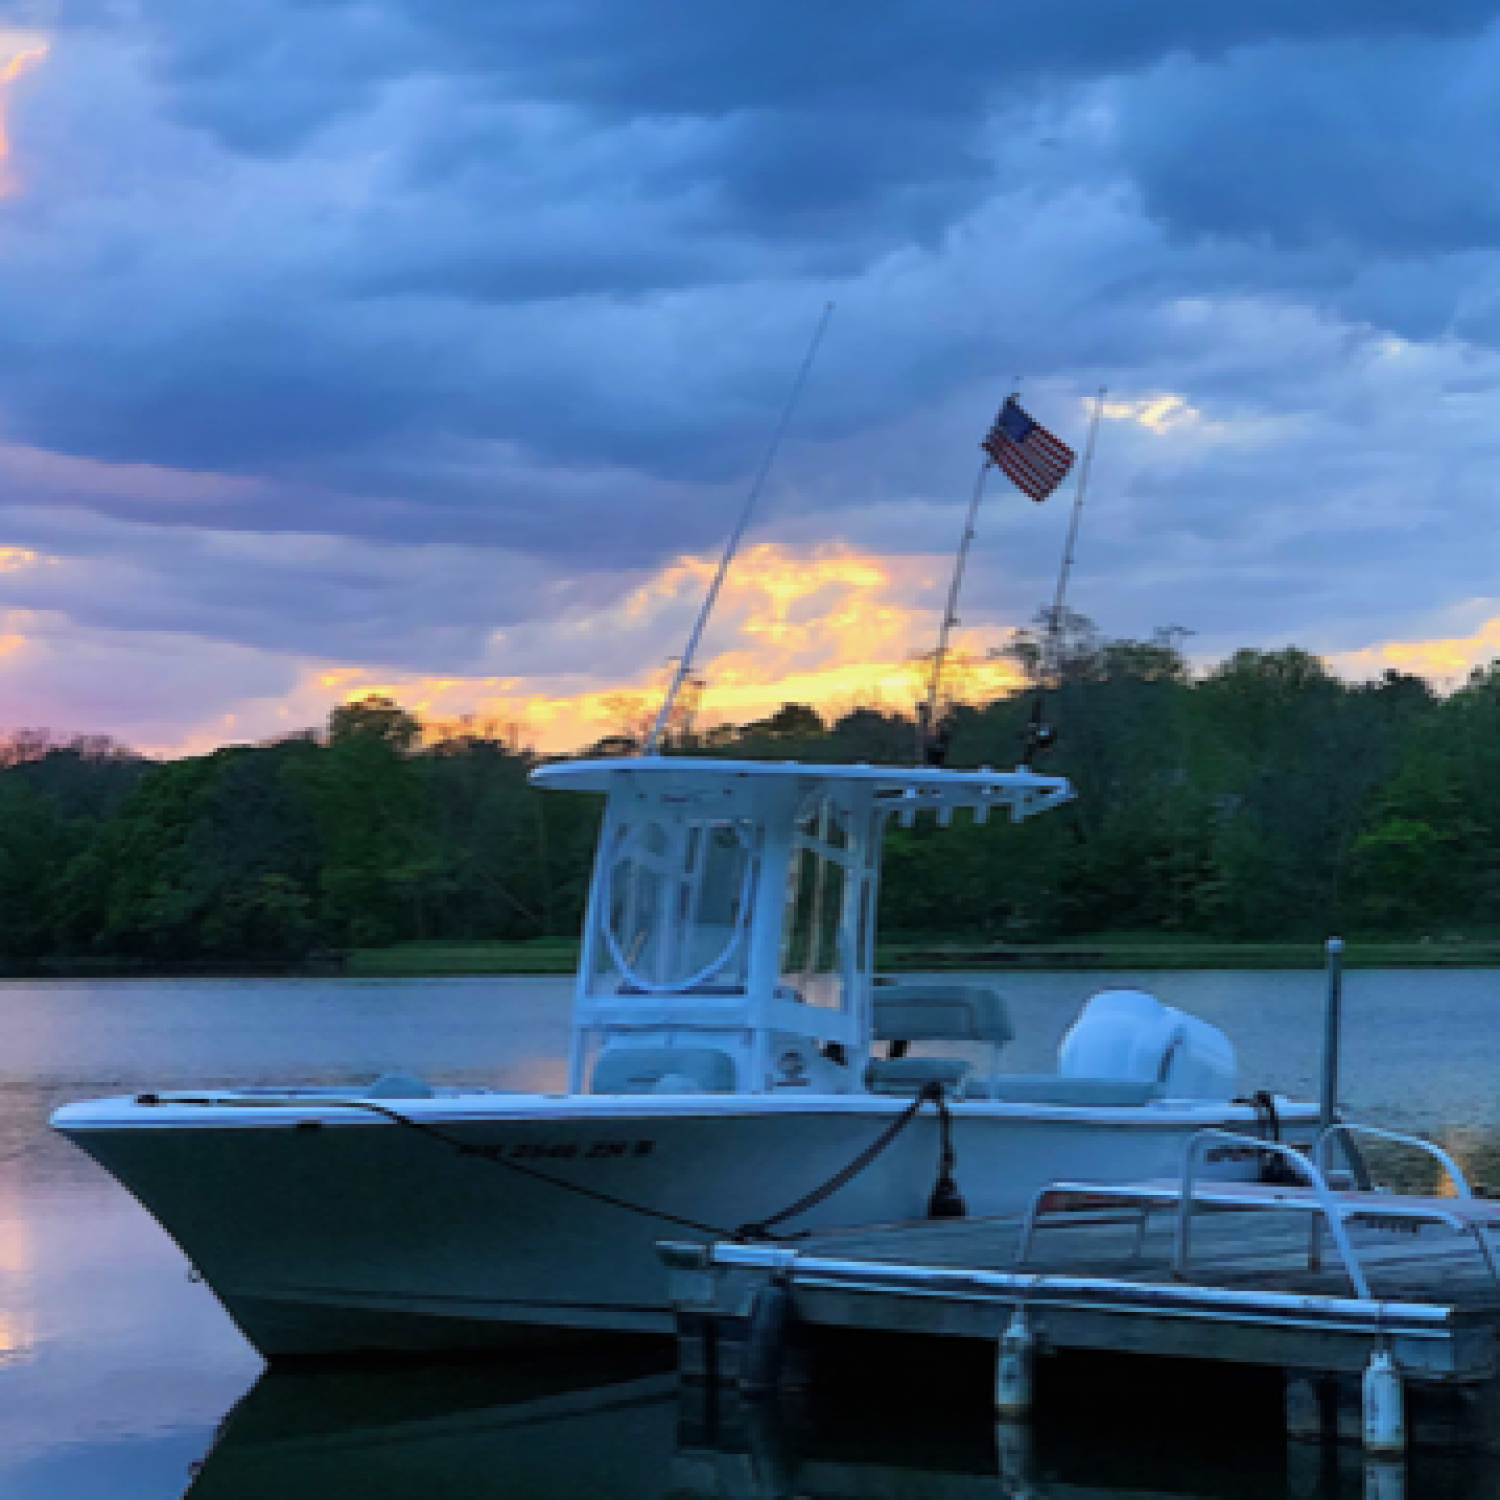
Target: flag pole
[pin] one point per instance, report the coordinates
(927, 713)
(685, 662)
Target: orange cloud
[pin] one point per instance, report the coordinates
(19, 62)
(11, 637)
(1439, 658)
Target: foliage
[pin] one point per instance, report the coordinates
(1263, 798)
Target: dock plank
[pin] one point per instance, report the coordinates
(1232, 1249)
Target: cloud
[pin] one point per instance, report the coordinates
(415, 341)
(1381, 144)
(1444, 659)
(25, 52)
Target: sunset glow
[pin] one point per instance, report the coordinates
(1446, 660)
(1156, 413)
(836, 629)
(18, 63)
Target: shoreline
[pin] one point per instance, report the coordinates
(554, 956)
(544, 957)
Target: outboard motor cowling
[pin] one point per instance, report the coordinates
(1129, 1034)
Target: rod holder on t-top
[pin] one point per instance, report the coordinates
(685, 662)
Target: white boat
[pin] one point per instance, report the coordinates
(732, 1051)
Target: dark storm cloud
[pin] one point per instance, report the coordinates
(1386, 146)
(710, 58)
(553, 201)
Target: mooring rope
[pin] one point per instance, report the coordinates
(929, 1093)
(491, 1154)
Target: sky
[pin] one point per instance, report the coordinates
(429, 346)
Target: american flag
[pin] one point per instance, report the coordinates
(1027, 452)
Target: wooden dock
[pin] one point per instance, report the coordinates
(755, 1315)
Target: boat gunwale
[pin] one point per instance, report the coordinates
(225, 1111)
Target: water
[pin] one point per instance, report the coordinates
(116, 1370)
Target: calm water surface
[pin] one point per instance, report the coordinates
(116, 1371)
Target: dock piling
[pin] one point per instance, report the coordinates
(760, 1363)
(1384, 1406)
(1333, 1021)
(1013, 1361)
(1385, 1479)
(1013, 1456)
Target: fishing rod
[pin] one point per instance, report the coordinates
(685, 662)
(929, 741)
(1038, 736)
(929, 747)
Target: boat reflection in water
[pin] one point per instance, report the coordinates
(461, 1431)
(619, 1426)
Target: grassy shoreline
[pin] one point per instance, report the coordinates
(1108, 952)
(902, 953)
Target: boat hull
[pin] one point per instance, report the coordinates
(329, 1230)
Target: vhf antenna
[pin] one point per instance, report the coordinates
(685, 662)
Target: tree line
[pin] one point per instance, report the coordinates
(1263, 797)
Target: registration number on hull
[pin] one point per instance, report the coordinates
(578, 1150)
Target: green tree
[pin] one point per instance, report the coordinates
(379, 867)
(32, 837)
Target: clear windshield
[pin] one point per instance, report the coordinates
(678, 904)
(815, 934)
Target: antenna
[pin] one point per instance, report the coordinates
(685, 662)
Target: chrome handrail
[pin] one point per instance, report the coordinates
(1482, 1232)
(1327, 1204)
(1349, 1127)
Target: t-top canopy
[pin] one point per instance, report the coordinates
(902, 789)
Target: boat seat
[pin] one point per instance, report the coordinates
(663, 1070)
(398, 1086)
(906, 1013)
(1056, 1088)
(905, 1076)
(940, 1012)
